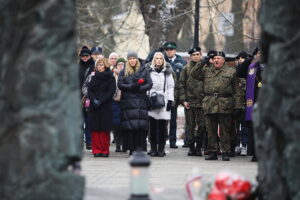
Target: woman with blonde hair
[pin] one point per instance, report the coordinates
(101, 89)
(134, 81)
(163, 84)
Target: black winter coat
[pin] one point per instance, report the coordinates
(83, 72)
(134, 111)
(102, 87)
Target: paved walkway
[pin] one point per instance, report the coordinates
(108, 178)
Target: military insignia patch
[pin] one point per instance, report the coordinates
(251, 71)
(249, 102)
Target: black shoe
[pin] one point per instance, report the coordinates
(185, 145)
(97, 155)
(161, 150)
(105, 155)
(198, 149)
(153, 150)
(88, 147)
(192, 150)
(118, 148)
(173, 146)
(225, 156)
(211, 156)
(130, 152)
(254, 159)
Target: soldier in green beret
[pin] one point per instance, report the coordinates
(191, 95)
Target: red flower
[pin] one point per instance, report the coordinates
(141, 81)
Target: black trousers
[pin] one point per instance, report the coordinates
(118, 136)
(250, 138)
(134, 140)
(158, 130)
(173, 126)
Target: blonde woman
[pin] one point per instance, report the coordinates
(134, 81)
(163, 83)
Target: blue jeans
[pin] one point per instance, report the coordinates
(244, 134)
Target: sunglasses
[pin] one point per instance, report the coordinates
(85, 56)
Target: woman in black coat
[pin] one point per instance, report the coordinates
(134, 81)
(101, 89)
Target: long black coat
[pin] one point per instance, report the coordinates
(102, 87)
(134, 111)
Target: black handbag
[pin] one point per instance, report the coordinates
(156, 100)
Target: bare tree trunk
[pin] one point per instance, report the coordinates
(163, 19)
(235, 43)
(277, 117)
(40, 133)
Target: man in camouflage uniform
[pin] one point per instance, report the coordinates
(220, 90)
(191, 95)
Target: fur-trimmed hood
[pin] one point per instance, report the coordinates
(168, 69)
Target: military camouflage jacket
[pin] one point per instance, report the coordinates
(220, 88)
(190, 89)
(241, 93)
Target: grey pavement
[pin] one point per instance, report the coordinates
(108, 178)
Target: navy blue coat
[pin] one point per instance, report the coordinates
(116, 113)
(134, 110)
(102, 87)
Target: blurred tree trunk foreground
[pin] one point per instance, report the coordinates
(277, 134)
(40, 134)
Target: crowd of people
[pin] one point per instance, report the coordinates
(137, 100)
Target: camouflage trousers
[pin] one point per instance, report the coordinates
(225, 124)
(195, 124)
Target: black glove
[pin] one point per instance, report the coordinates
(135, 86)
(96, 103)
(169, 105)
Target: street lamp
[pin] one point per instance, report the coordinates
(196, 28)
(139, 179)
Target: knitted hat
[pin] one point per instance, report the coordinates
(85, 51)
(131, 53)
(121, 60)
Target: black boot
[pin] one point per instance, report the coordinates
(118, 148)
(153, 151)
(254, 159)
(212, 156)
(198, 149)
(192, 151)
(225, 156)
(161, 150)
